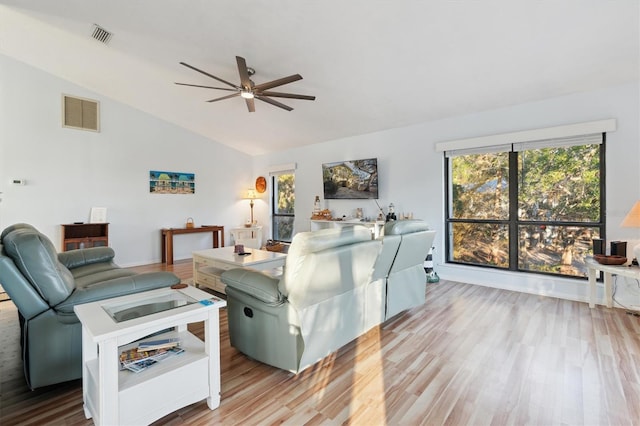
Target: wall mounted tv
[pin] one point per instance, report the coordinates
(350, 180)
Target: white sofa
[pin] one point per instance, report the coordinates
(337, 284)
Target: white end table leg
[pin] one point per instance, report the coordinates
(108, 390)
(212, 348)
(608, 293)
(592, 287)
(89, 352)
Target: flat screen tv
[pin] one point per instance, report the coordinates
(351, 180)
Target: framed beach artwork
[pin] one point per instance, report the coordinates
(161, 182)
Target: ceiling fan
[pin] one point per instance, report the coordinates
(249, 90)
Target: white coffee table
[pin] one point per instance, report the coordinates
(209, 264)
(114, 397)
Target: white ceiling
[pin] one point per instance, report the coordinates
(372, 64)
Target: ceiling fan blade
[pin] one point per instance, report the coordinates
(210, 75)
(244, 74)
(251, 105)
(274, 103)
(225, 97)
(279, 82)
(206, 87)
(288, 95)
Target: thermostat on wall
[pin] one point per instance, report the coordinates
(18, 181)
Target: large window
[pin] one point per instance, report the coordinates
(531, 207)
(283, 205)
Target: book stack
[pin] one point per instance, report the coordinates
(148, 353)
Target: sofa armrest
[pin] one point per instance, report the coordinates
(76, 258)
(254, 283)
(29, 302)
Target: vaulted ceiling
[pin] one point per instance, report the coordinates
(372, 64)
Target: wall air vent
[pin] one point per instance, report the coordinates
(80, 113)
(101, 34)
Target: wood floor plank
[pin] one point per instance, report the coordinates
(470, 356)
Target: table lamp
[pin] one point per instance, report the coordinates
(632, 220)
(251, 195)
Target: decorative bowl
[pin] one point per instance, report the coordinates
(610, 260)
(277, 247)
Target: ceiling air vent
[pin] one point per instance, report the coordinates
(101, 34)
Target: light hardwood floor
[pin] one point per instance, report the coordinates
(470, 356)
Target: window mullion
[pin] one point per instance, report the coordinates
(513, 211)
(603, 198)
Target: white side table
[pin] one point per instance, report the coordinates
(608, 270)
(248, 236)
(113, 397)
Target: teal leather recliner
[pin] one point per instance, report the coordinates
(45, 286)
(337, 284)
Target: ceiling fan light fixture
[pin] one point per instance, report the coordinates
(250, 91)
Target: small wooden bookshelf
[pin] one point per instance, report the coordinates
(84, 235)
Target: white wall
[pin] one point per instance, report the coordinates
(411, 172)
(69, 171)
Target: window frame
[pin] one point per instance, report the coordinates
(513, 222)
(274, 213)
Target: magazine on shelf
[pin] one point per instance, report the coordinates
(137, 367)
(158, 344)
(135, 360)
(134, 355)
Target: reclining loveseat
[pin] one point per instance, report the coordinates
(45, 286)
(337, 284)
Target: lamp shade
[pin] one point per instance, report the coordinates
(632, 220)
(251, 194)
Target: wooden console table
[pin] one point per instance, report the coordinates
(168, 233)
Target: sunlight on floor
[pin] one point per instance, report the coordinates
(368, 404)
